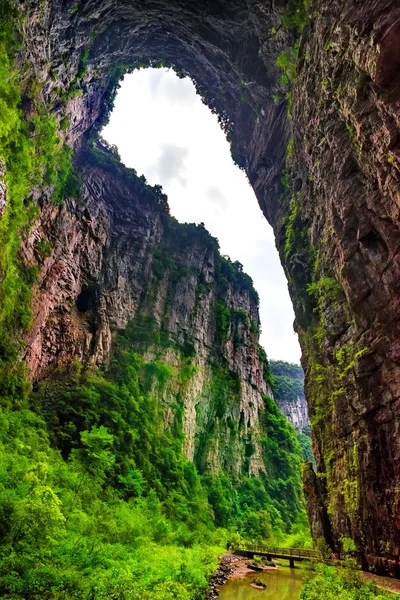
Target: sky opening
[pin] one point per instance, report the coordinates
(164, 131)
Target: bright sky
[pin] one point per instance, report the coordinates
(166, 133)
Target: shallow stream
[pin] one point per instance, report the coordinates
(282, 584)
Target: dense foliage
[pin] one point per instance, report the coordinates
(111, 509)
(97, 500)
(288, 385)
(287, 380)
(65, 533)
(306, 446)
(227, 272)
(330, 584)
(100, 154)
(282, 458)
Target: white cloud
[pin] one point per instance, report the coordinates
(170, 165)
(163, 130)
(177, 92)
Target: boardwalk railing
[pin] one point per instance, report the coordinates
(299, 553)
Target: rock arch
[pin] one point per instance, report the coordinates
(229, 49)
(331, 195)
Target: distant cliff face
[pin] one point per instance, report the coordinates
(288, 389)
(327, 179)
(118, 259)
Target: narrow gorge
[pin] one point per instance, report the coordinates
(139, 425)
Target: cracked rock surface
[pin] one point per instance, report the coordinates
(336, 224)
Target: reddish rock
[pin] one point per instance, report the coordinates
(343, 202)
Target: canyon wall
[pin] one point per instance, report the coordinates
(326, 176)
(118, 259)
(288, 389)
(341, 244)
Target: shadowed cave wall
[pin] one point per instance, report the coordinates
(326, 178)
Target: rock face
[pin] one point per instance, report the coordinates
(296, 411)
(331, 194)
(345, 234)
(288, 389)
(119, 259)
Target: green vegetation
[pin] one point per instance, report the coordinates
(328, 381)
(96, 497)
(33, 155)
(288, 385)
(240, 316)
(223, 392)
(283, 368)
(295, 17)
(306, 446)
(282, 458)
(287, 380)
(347, 358)
(287, 62)
(228, 272)
(100, 154)
(74, 89)
(145, 332)
(330, 583)
(65, 123)
(267, 373)
(43, 248)
(325, 288)
(78, 518)
(329, 391)
(294, 234)
(223, 321)
(254, 327)
(183, 236)
(165, 265)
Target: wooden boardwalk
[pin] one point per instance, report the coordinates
(270, 552)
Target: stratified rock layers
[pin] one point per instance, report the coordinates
(119, 259)
(336, 218)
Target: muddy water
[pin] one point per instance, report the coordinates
(282, 584)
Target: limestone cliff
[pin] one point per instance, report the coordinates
(117, 258)
(327, 179)
(341, 246)
(288, 389)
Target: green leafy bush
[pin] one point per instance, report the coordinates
(330, 583)
(296, 15)
(223, 321)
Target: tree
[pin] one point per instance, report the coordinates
(40, 517)
(94, 457)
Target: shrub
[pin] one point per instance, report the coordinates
(330, 584)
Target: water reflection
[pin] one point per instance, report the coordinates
(282, 584)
